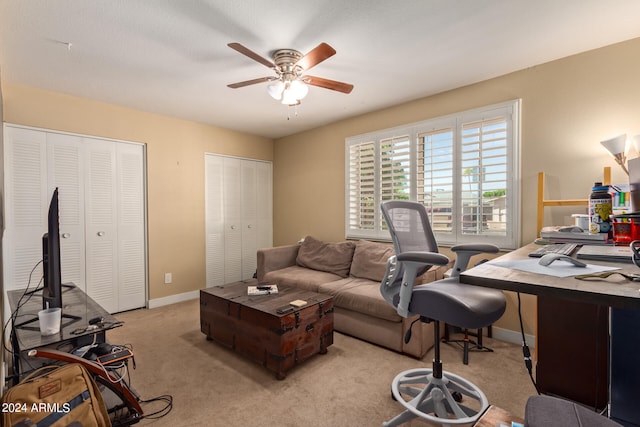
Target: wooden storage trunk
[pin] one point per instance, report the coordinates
(250, 325)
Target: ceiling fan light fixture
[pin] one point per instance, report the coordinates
(290, 84)
(299, 89)
(288, 97)
(275, 90)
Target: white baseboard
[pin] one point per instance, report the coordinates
(172, 299)
(514, 337)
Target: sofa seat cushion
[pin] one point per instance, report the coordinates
(362, 296)
(300, 277)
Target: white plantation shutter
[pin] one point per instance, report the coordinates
(457, 166)
(376, 170)
(395, 171)
(395, 168)
(484, 176)
(361, 211)
(435, 179)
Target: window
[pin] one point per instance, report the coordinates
(464, 168)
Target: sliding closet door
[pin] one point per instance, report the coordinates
(238, 216)
(65, 171)
(25, 206)
(101, 225)
(214, 220)
(102, 213)
(115, 224)
(131, 226)
(249, 223)
(232, 207)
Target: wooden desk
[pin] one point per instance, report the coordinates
(76, 303)
(623, 296)
(612, 292)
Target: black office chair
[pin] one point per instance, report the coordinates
(433, 394)
(549, 411)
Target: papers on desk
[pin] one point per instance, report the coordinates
(566, 234)
(556, 269)
(605, 253)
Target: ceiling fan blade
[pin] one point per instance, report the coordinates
(250, 82)
(251, 54)
(316, 56)
(328, 84)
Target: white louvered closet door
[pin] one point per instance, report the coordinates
(232, 207)
(238, 216)
(131, 226)
(214, 220)
(101, 224)
(102, 213)
(65, 171)
(26, 204)
(249, 219)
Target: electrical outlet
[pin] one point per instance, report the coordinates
(167, 278)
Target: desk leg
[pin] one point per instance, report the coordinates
(573, 351)
(625, 370)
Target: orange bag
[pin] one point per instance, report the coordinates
(55, 396)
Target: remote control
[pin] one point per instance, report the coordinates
(284, 309)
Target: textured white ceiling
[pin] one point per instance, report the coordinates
(171, 57)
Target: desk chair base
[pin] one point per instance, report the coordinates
(431, 398)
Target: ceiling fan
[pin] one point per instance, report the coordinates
(290, 82)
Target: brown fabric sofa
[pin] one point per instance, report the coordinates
(350, 271)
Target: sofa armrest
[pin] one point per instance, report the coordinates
(270, 259)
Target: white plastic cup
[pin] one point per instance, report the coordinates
(581, 220)
(50, 321)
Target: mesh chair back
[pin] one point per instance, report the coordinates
(409, 225)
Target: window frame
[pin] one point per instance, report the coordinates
(509, 110)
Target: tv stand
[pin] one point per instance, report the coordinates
(23, 325)
(79, 307)
(36, 318)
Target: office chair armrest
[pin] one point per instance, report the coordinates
(413, 262)
(403, 269)
(476, 247)
(430, 258)
(465, 251)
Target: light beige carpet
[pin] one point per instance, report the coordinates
(348, 386)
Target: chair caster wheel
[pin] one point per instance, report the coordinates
(457, 396)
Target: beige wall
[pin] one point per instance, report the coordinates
(175, 170)
(568, 106)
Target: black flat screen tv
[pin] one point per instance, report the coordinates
(52, 291)
(51, 264)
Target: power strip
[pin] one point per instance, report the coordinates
(107, 359)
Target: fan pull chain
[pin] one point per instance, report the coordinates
(295, 111)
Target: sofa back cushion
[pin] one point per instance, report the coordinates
(330, 257)
(370, 260)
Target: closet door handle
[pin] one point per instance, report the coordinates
(249, 226)
(233, 227)
(100, 233)
(66, 235)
